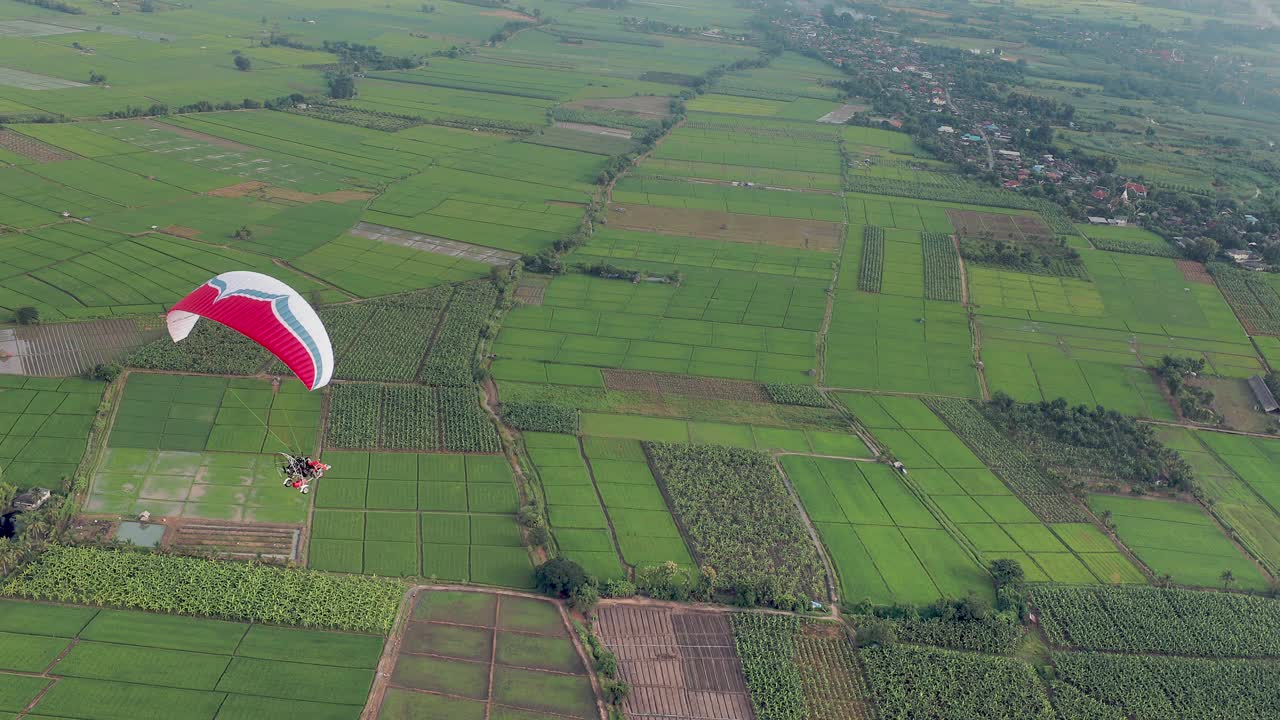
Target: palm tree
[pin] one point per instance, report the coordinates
(1227, 577)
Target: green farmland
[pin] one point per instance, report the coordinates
(689, 360)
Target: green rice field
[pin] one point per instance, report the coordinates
(45, 424)
(84, 662)
(449, 517)
(1178, 539)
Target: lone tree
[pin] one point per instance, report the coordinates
(244, 233)
(1228, 578)
(243, 63)
(1006, 573)
(97, 78)
(559, 577)
(342, 86)
(27, 315)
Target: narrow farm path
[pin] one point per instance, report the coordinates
(608, 519)
(829, 569)
(1193, 426)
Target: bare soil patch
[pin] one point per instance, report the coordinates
(712, 225)
(1193, 271)
(238, 190)
(30, 147)
(707, 388)
(337, 196)
(653, 105)
(679, 663)
(181, 231)
(841, 114)
(506, 14)
(241, 541)
(594, 129)
(997, 226)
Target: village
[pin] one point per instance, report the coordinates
(939, 97)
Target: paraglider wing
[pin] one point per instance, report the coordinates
(266, 311)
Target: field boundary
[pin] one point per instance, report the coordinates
(829, 570)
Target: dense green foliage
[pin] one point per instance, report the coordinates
(1042, 492)
(1255, 301)
(1134, 247)
(1089, 441)
(941, 267)
(210, 348)
(1149, 687)
(451, 360)
(765, 645)
(742, 521)
(793, 394)
(953, 624)
(918, 682)
(540, 417)
(209, 588)
(1161, 620)
(871, 273)
(466, 426)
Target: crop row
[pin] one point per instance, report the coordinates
(1134, 247)
(1161, 620)
(766, 644)
(871, 272)
(466, 426)
(834, 688)
(792, 394)
(919, 682)
(451, 360)
(409, 417)
(355, 416)
(941, 267)
(210, 348)
(1148, 687)
(1251, 296)
(209, 588)
(947, 188)
(540, 417)
(741, 521)
(371, 119)
(1042, 493)
(393, 342)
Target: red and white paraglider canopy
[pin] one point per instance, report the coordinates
(266, 311)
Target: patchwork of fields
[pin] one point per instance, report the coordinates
(763, 363)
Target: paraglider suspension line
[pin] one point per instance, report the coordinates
(264, 422)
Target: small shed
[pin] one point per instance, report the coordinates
(1263, 393)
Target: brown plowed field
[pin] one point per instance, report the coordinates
(708, 388)
(712, 225)
(679, 663)
(653, 105)
(1194, 272)
(1016, 228)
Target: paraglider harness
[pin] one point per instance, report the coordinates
(300, 470)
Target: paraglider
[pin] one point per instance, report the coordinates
(276, 317)
(266, 311)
